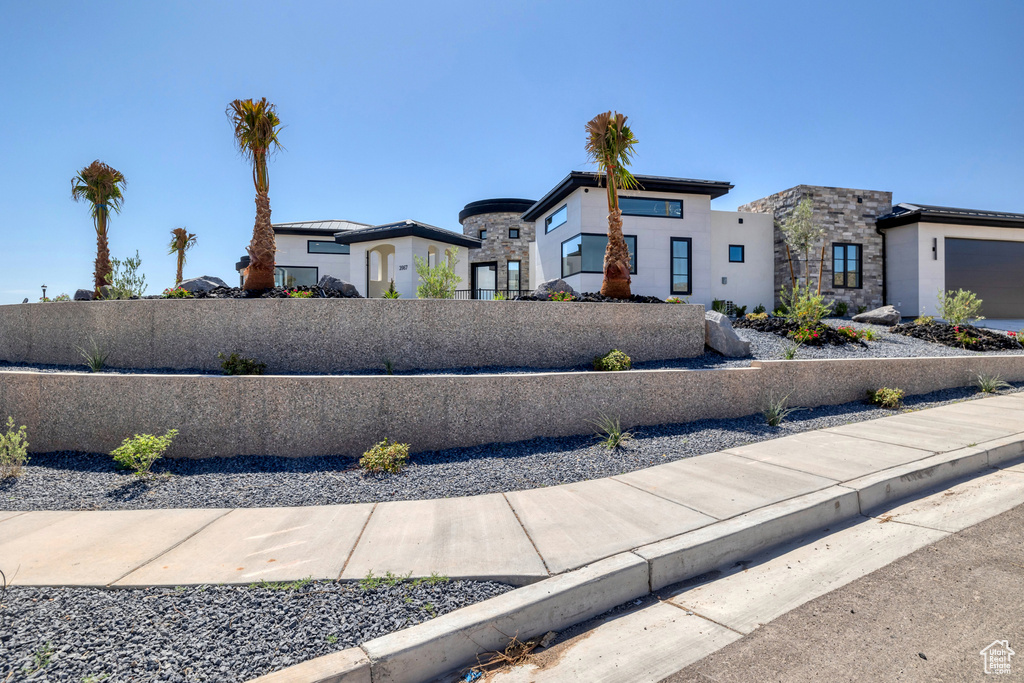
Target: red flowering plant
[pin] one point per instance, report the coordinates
(962, 337)
(804, 335)
(848, 332)
(177, 293)
(561, 296)
(298, 294)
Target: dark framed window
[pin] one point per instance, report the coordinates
(483, 234)
(584, 253)
(296, 276)
(649, 206)
(513, 233)
(513, 276)
(682, 273)
(556, 219)
(846, 266)
(325, 247)
(736, 254)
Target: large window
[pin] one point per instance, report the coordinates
(584, 253)
(513, 276)
(556, 219)
(295, 276)
(648, 206)
(325, 247)
(681, 262)
(846, 266)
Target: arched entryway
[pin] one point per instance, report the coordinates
(380, 270)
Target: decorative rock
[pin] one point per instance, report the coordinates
(886, 315)
(338, 285)
(83, 295)
(546, 289)
(202, 284)
(719, 335)
(25, 301)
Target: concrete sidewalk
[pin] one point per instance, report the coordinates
(519, 537)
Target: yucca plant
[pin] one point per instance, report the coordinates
(776, 409)
(181, 241)
(610, 144)
(991, 384)
(103, 187)
(611, 433)
(95, 357)
(256, 127)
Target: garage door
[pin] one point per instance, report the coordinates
(992, 269)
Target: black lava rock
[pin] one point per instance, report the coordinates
(956, 336)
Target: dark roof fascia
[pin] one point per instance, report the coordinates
(578, 179)
(409, 229)
(503, 205)
(923, 215)
(305, 231)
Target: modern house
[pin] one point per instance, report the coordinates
(306, 251)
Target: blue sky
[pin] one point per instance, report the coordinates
(411, 110)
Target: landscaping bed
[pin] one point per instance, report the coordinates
(594, 297)
(208, 633)
(819, 336)
(960, 336)
(79, 481)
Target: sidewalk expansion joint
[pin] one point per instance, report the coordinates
(697, 614)
(356, 544)
(528, 537)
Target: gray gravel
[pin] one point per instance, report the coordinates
(205, 633)
(77, 481)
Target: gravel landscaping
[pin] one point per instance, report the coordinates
(78, 481)
(206, 633)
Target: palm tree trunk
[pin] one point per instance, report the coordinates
(102, 266)
(616, 260)
(260, 274)
(181, 264)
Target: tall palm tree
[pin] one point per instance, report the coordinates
(181, 241)
(103, 187)
(610, 145)
(256, 128)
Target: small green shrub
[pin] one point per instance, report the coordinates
(779, 312)
(139, 452)
(611, 433)
(718, 305)
(386, 456)
(924, 320)
(789, 353)
(775, 409)
(124, 280)
(675, 300)
(759, 309)
(848, 332)
(804, 306)
(392, 293)
(299, 294)
(887, 398)
(498, 296)
(964, 337)
(389, 367)
(613, 361)
(959, 307)
(740, 311)
(61, 297)
(177, 293)
(991, 384)
(561, 296)
(439, 281)
(95, 357)
(757, 316)
(236, 364)
(868, 334)
(13, 450)
(861, 309)
(840, 308)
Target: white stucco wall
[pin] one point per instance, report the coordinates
(291, 251)
(750, 283)
(404, 270)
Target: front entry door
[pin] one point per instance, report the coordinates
(485, 280)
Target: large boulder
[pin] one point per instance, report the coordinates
(719, 335)
(886, 315)
(83, 295)
(347, 289)
(546, 289)
(203, 283)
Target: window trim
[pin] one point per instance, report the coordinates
(682, 208)
(516, 231)
(860, 264)
(632, 265)
(508, 271)
(328, 253)
(743, 253)
(547, 221)
(689, 265)
(482, 234)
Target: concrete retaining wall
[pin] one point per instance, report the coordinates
(343, 335)
(310, 415)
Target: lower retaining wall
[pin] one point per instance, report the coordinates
(344, 415)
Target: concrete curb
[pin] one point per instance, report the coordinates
(450, 642)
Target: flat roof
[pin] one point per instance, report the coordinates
(649, 183)
(325, 227)
(905, 214)
(407, 228)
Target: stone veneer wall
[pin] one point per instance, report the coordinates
(344, 415)
(498, 247)
(846, 220)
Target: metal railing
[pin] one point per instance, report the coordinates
(490, 294)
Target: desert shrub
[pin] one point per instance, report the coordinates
(124, 280)
(236, 364)
(759, 309)
(867, 334)
(177, 293)
(789, 353)
(757, 316)
(991, 384)
(840, 308)
(498, 296)
(804, 306)
(386, 456)
(740, 311)
(139, 452)
(861, 309)
(389, 367)
(959, 307)
(61, 297)
(776, 409)
(885, 397)
(392, 293)
(561, 296)
(438, 282)
(924, 320)
(779, 312)
(611, 433)
(718, 305)
(613, 361)
(299, 294)
(13, 450)
(95, 356)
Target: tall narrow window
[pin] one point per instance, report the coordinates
(681, 265)
(846, 266)
(513, 276)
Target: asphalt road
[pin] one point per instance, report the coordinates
(925, 617)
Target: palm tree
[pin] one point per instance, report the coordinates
(256, 128)
(610, 145)
(103, 187)
(181, 241)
